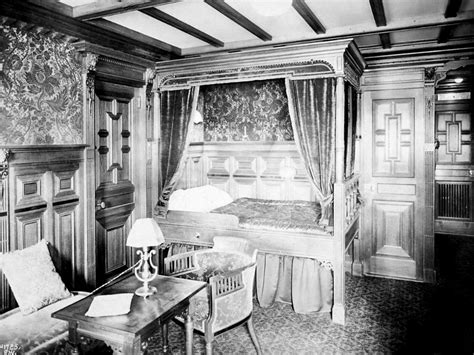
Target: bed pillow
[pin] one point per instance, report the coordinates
(199, 199)
(33, 277)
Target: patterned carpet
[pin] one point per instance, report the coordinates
(383, 316)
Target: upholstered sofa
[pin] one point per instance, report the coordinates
(34, 332)
(39, 291)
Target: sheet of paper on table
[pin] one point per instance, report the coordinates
(110, 305)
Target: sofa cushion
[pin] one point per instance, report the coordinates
(33, 331)
(33, 277)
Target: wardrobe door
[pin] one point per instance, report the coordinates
(393, 183)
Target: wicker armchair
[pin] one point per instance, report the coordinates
(229, 269)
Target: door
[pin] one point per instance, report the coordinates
(454, 174)
(114, 192)
(393, 179)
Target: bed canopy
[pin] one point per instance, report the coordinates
(317, 78)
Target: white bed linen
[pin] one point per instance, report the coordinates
(199, 199)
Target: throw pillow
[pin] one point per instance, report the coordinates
(33, 277)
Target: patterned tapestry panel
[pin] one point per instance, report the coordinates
(249, 111)
(40, 89)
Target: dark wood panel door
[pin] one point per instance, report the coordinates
(393, 178)
(114, 191)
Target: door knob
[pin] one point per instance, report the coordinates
(100, 205)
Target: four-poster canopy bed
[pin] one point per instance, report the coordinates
(321, 82)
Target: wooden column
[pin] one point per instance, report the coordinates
(429, 274)
(89, 67)
(338, 311)
(5, 301)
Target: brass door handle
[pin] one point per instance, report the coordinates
(100, 205)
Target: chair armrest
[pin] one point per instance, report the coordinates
(181, 264)
(228, 282)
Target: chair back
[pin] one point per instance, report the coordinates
(235, 245)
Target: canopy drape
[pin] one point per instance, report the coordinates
(312, 107)
(177, 107)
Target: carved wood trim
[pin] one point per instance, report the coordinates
(294, 61)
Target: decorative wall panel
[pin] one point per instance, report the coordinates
(393, 138)
(266, 170)
(247, 111)
(453, 130)
(43, 203)
(393, 228)
(40, 89)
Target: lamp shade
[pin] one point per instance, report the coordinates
(145, 232)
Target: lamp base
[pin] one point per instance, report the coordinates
(145, 291)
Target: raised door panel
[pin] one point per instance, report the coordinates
(393, 134)
(393, 242)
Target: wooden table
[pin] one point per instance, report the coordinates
(128, 334)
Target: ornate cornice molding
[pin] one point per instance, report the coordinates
(296, 62)
(90, 62)
(282, 70)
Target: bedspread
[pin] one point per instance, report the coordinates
(297, 215)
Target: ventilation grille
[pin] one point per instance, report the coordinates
(453, 200)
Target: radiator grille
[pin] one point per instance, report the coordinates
(453, 200)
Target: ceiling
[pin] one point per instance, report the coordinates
(384, 30)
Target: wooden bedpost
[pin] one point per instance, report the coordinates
(338, 310)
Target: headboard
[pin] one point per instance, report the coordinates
(265, 170)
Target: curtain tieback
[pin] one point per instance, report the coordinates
(325, 203)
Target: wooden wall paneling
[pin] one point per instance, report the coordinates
(67, 221)
(29, 203)
(43, 203)
(4, 241)
(249, 170)
(244, 187)
(271, 184)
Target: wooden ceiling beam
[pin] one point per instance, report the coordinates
(55, 6)
(445, 33)
(452, 8)
(108, 8)
(174, 22)
(137, 36)
(239, 19)
(385, 39)
(32, 13)
(378, 12)
(305, 12)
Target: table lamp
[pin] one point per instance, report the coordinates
(145, 233)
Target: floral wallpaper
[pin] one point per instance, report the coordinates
(40, 89)
(249, 111)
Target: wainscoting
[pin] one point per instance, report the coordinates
(271, 170)
(41, 199)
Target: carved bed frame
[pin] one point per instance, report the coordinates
(339, 59)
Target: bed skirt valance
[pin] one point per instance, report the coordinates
(305, 283)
